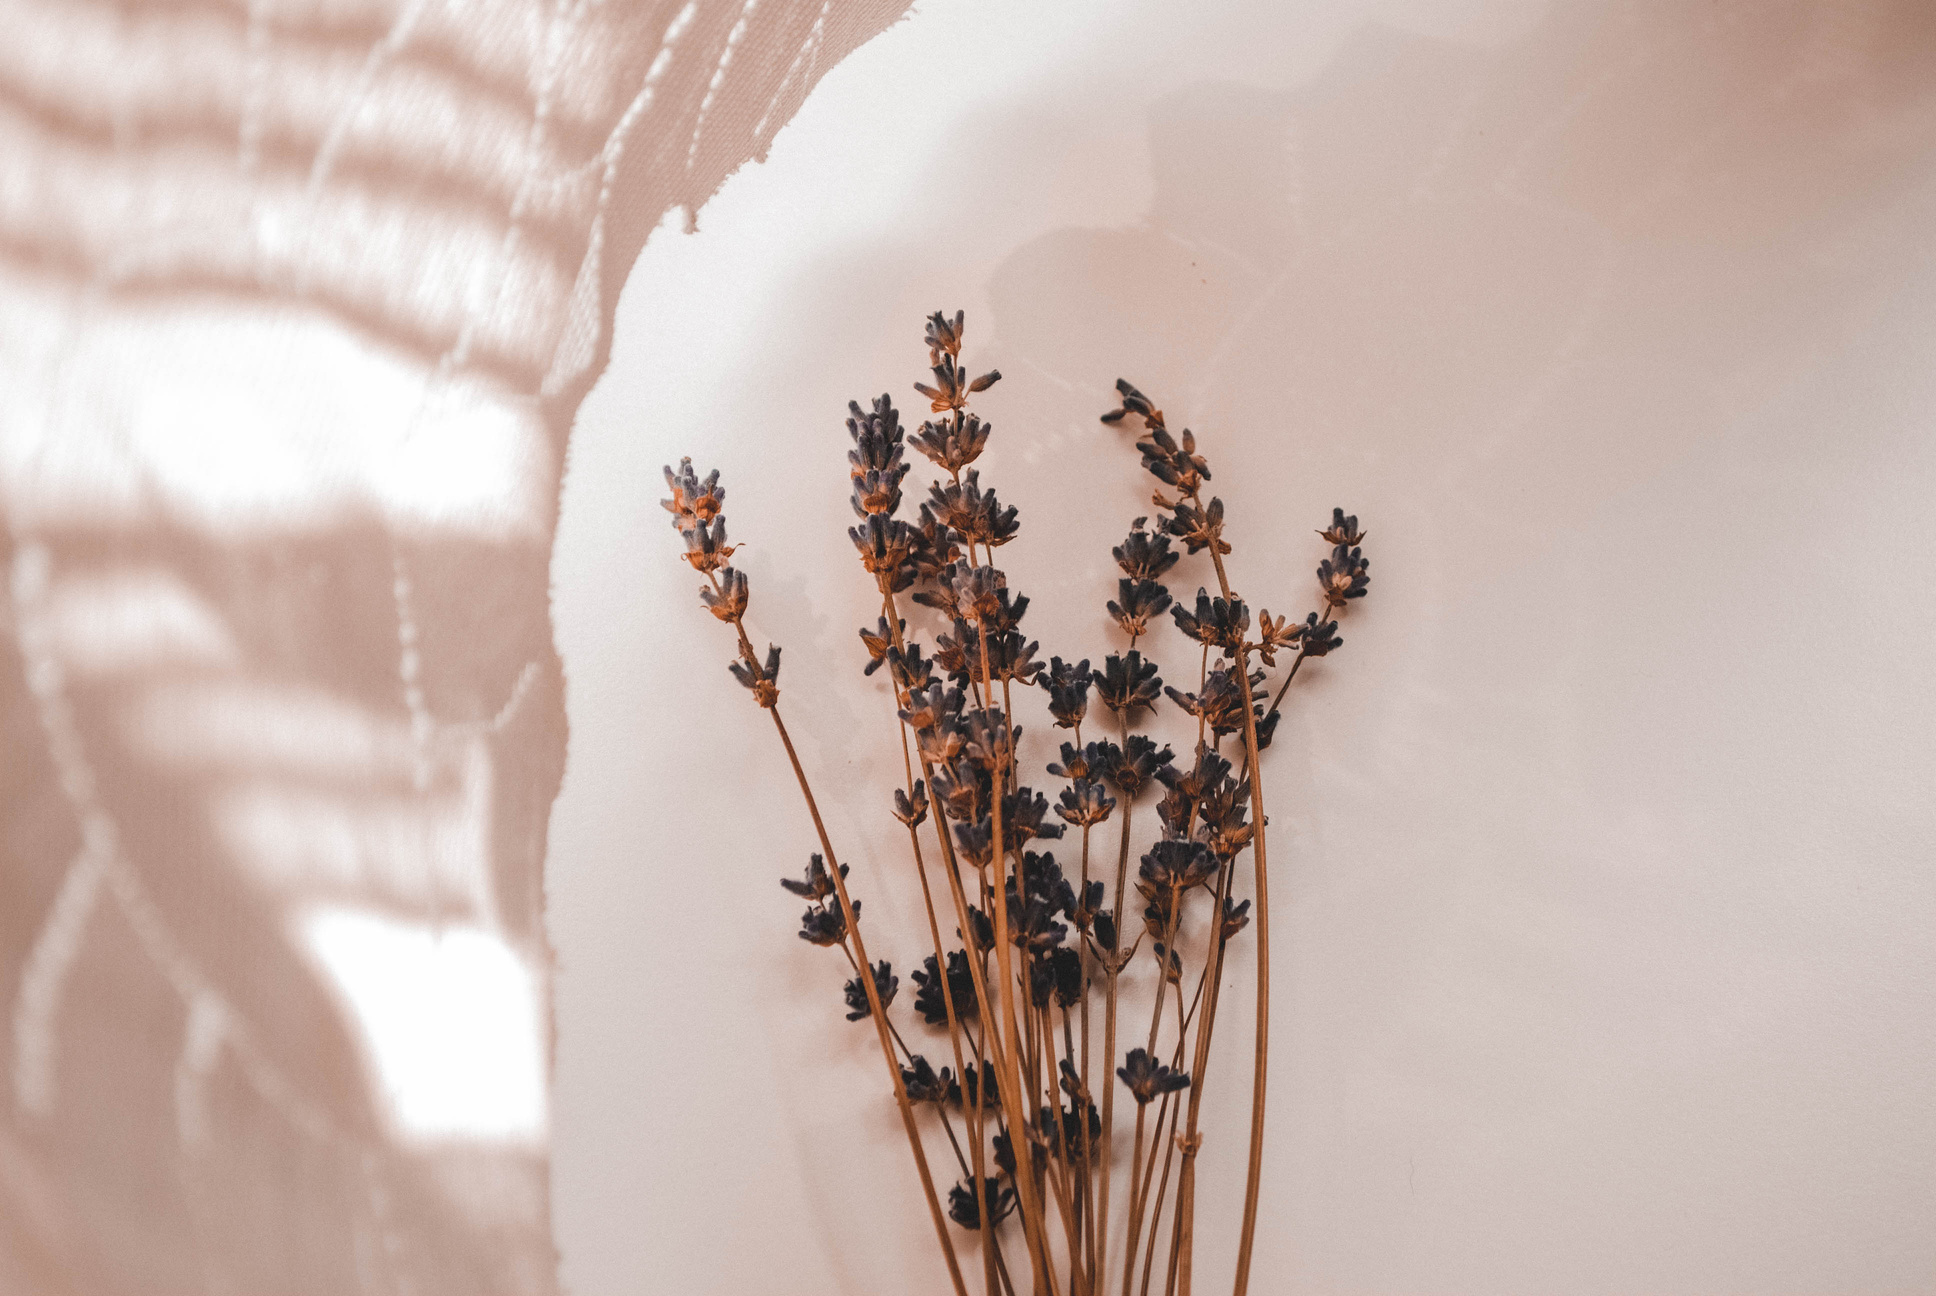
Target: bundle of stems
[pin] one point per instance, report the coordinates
(1024, 961)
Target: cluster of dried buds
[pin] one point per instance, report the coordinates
(1040, 942)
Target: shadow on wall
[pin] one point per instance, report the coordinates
(299, 310)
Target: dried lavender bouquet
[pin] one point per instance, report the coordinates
(1031, 989)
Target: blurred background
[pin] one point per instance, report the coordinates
(388, 865)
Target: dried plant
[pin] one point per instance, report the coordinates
(1023, 1097)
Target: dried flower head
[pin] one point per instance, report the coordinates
(1085, 804)
(1344, 575)
(1221, 816)
(1149, 1079)
(953, 444)
(1320, 637)
(1133, 402)
(912, 672)
(936, 546)
(943, 335)
(1343, 530)
(762, 678)
(886, 985)
(912, 810)
(876, 464)
(1218, 622)
(997, 1201)
(1077, 762)
(878, 643)
(1174, 462)
(1025, 817)
(1275, 634)
(1145, 554)
(1068, 689)
(728, 600)
(922, 1083)
(1221, 704)
(1131, 767)
(1198, 528)
(1127, 684)
(693, 501)
(976, 1088)
(952, 385)
(886, 548)
(818, 883)
(1135, 603)
(928, 999)
(977, 515)
(825, 926)
(706, 547)
(1178, 865)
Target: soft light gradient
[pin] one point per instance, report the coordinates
(1605, 910)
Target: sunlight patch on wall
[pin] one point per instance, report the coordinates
(450, 1023)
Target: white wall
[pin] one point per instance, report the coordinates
(1604, 899)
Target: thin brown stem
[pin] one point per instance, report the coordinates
(874, 1003)
(1253, 1175)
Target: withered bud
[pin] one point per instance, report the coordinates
(912, 810)
(706, 547)
(762, 679)
(728, 602)
(693, 501)
(1343, 530)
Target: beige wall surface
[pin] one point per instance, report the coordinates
(1605, 907)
